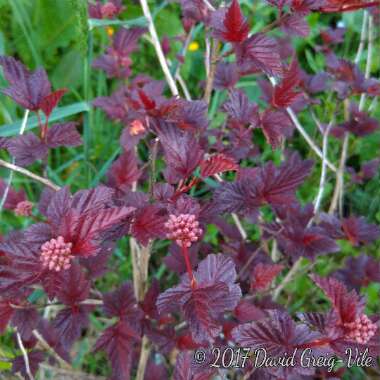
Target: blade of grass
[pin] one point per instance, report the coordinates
(60, 113)
(24, 22)
(104, 168)
(95, 23)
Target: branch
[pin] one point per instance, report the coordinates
(304, 134)
(29, 174)
(369, 57)
(25, 355)
(51, 351)
(144, 357)
(339, 186)
(211, 72)
(362, 37)
(318, 199)
(289, 276)
(308, 139)
(157, 45)
(140, 263)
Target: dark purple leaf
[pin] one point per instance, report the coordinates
(118, 342)
(148, 224)
(124, 171)
(261, 52)
(226, 76)
(63, 134)
(240, 110)
(229, 24)
(121, 303)
(27, 148)
(268, 184)
(203, 304)
(182, 153)
(35, 358)
(50, 101)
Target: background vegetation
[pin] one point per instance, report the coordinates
(56, 34)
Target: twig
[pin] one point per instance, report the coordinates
(304, 134)
(362, 37)
(48, 348)
(369, 57)
(339, 186)
(144, 357)
(183, 51)
(289, 276)
(10, 178)
(248, 263)
(318, 199)
(275, 256)
(183, 86)
(152, 163)
(140, 263)
(29, 174)
(157, 45)
(207, 55)
(211, 71)
(308, 139)
(25, 355)
(209, 5)
(239, 226)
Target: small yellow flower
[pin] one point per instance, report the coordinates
(193, 46)
(110, 31)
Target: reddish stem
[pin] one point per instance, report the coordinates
(185, 253)
(349, 8)
(182, 188)
(315, 343)
(43, 127)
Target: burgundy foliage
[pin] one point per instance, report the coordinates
(215, 207)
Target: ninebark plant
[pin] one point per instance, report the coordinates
(211, 173)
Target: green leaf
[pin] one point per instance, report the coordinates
(95, 23)
(59, 113)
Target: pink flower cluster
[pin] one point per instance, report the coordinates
(109, 10)
(361, 330)
(23, 208)
(56, 254)
(184, 229)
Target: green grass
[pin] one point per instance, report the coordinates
(52, 34)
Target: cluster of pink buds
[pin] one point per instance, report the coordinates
(361, 330)
(109, 10)
(137, 127)
(184, 229)
(56, 254)
(24, 208)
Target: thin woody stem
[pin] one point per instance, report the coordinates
(339, 187)
(304, 134)
(185, 253)
(25, 356)
(295, 268)
(157, 45)
(51, 351)
(29, 174)
(212, 70)
(318, 199)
